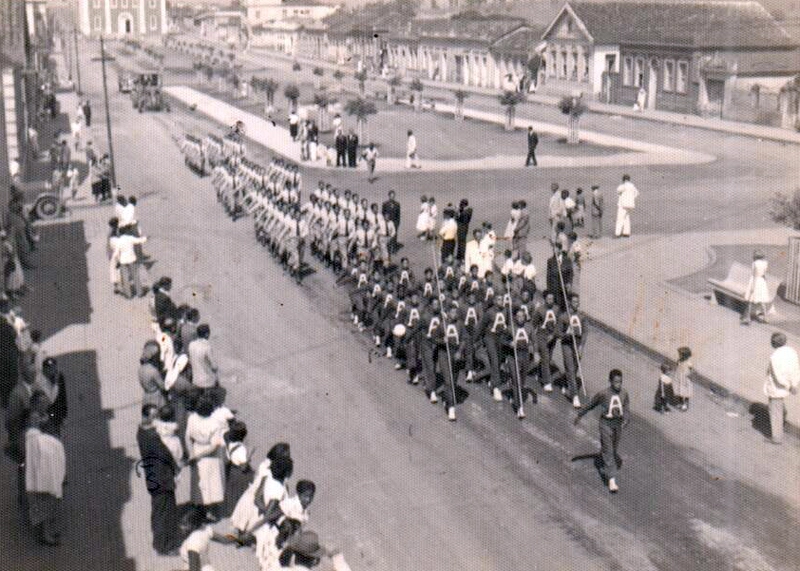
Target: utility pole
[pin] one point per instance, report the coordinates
(108, 113)
(77, 60)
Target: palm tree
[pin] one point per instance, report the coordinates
(318, 73)
(416, 85)
(460, 95)
(361, 109)
(292, 94)
(573, 106)
(361, 78)
(322, 100)
(394, 82)
(510, 100)
(338, 76)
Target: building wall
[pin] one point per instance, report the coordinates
(265, 13)
(147, 17)
(674, 75)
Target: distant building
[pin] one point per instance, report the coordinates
(123, 17)
(264, 12)
(223, 25)
(683, 56)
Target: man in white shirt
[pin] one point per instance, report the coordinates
(448, 233)
(627, 194)
(412, 160)
(783, 377)
(472, 253)
(128, 262)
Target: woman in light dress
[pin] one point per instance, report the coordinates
(204, 441)
(757, 293)
(426, 221)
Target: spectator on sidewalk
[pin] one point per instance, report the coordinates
(447, 233)
(598, 205)
(783, 378)
(22, 234)
(757, 293)
(160, 470)
(64, 155)
(204, 440)
(76, 127)
(128, 263)
(45, 472)
(341, 148)
(627, 194)
(187, 327)
(555, 209)
(73, 181)
(19, 406)
(294, 124)
(683, 378)
(665, 395)
(87, 113)
(9, 354)
(371, 157)
(33, 142)
(91, 156)
(352, 149)
(163, 305)
(463, 219)
(522, 227)
(13, 278)
(391, 212)
(50, 382)
(150, 379)
(201, 357)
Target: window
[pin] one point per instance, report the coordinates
(585, 66)
(682, 77)
(553, 66)
(574, 74)
(153, 22)
(564, 60)
(627, 71)
(669, 75)
(98, 23)
(638, 72)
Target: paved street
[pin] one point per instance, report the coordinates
(399, 488)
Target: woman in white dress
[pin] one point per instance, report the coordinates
(757, 293)
(433, 212)
(423, 220)
(204, 441)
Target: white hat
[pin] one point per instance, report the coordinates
(399, 330)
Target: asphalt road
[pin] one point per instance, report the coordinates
(400, 488)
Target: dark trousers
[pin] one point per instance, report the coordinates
(341, 159)
(531, 158)
(519, 373)
(610, 431)
(449, 370)
(493, 353)
(448, 248)
(545, 352)
(427, 352)
(352, 155)
(570, 367)
(164, 521)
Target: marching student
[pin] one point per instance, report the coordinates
(614, 416)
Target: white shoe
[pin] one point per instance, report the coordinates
(451, 413)
(576, 401)
(377, 341)
(612, 486)
(434, 398)
(415, 380)
(563, 390)
(496, 394)
(520, 413)
(548, 388)
(398, 366)
(470, 376)
(389, 353)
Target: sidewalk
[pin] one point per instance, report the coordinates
(277, 139)
(696, 121)
(624, 287)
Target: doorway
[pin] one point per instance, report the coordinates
(125, 24)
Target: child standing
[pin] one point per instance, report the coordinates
(423, 220)
(580, 208)
(683, 381)
(664, 393)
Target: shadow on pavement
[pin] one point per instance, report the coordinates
(96, 491)
(59, 294)
(760, 414)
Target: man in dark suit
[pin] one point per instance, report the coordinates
(533, 141)
(341, 149)
(463, 218)
(391, 211)
(352, 149)
(519, 241)
(159, 470)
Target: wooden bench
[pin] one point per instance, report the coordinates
(731, 291)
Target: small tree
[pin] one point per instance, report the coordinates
(270, 87)
(222, 78)
(785, 209)
(573, 107)
(510, 100)
(460, 95)
(322, 100)
(417, 87)
(361, 78)
(338, 76)
(292, 94)
(318, 73)
(296, 66)
(361, 109)
(208, 71)
(394, 82)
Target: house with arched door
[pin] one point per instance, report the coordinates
(122, 18)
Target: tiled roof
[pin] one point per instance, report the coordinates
(785, 62)
(366, 21)
(520, 41)
(483, 29)
(712, 24)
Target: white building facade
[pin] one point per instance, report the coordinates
(123, 18)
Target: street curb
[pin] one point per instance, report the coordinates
(702, 380)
